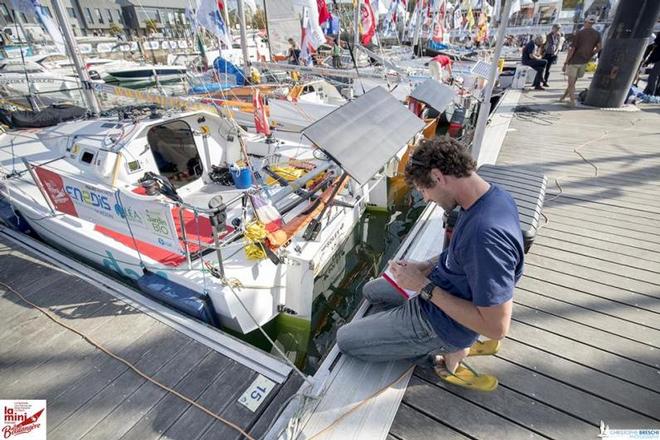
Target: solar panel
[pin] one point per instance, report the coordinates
(362, 135)
(482, 69)
(434, 94)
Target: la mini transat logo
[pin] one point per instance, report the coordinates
(23, 419)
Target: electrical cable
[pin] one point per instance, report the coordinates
(98, 345)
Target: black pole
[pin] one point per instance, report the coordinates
(627, 38)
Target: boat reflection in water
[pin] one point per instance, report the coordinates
(338, 289)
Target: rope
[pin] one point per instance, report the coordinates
(234, 283)
(98, 345)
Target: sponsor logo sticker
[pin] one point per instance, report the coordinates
(23, 419)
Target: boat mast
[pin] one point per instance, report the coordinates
(484, 111)
(241, 20)
(356, 25)
(72, 47)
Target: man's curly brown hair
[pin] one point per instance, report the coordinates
(448, 155)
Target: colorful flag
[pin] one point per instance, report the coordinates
(209, 16)
(469, 18)
(324, 14)
(368, 22)
(260, 118)
(312, 34)
(458, 18)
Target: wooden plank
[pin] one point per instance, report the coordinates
(20, 271)
(526, 411)
(460, 412)
(411, 424)
(603, 227)
(612, 255)
(587, 377)
(49, 368)
(36, 334)
(598, 216)
(69, 396)
(217, 396)
(598, 245)
(543, 272)
(136, 405)
(601, 308)
(606, 341)
(567, 199)
(262, 423)
(560, 310)
(94, 410)
(557, 394)
(169, 410)
(617, 366)
(553, 260)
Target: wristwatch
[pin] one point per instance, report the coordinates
(427, 291)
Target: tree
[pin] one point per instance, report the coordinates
(115, 29)
(151, 26)
(259, 19)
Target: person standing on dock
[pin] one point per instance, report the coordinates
(586, 43)
(532, 59)
(465, 292)
(551, 49)
(336, 54)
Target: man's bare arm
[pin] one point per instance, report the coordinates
(492, 322)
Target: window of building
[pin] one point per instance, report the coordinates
(120, 18)
(88, 14)
(99, 17)
(24, 17)
(108, 12)
(71, 12)
(46, 9)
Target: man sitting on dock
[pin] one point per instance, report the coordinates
(531, 58)
(465, 292)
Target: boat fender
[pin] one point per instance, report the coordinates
(190, 302)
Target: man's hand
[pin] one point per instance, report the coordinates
(408, 275)
(424, 267)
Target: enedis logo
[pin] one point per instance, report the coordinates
(91, 198)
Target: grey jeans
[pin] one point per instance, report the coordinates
(401, 331)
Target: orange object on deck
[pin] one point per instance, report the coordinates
(300, 222)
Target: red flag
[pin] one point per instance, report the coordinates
(324, 14)
(368, 22)
(260, 119)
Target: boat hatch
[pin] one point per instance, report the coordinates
(362, 140)
(435, 95)
(175, 153)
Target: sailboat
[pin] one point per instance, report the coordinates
(151, 197)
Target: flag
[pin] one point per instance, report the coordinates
(209, 16)
(312, 34)
(260, 119)
(469, 18)
(324, 14)
(29, 7)
(368, 22)
(458, 18)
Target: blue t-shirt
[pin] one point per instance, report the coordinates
(482, 264)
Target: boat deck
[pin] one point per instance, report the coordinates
(91, 395)
(583, 345)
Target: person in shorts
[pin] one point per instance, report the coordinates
(586, 43)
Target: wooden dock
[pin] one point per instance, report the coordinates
(585, 337)
(91, 395)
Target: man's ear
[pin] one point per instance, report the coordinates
(437, 176)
